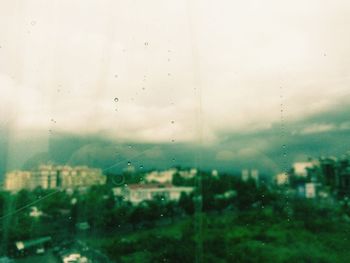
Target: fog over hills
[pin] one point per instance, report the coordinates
(268, 150)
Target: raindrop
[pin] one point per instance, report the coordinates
(172, 140)
(116, 99)
(146, 43)
(169, 74)
(118, 179)
(129, 163)
(141, 166)
(172, 122)
(33, 23)
(116, 76)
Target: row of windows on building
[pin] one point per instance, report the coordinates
(54, 176)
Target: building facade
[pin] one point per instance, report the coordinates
(146, 192)
(54, 176)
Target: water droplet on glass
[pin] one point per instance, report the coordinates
(172, 122)
(33, 23)
(129, 163)
(118, 179)
(141, 166)
(146, 43)
(116, 76)
(116, 99)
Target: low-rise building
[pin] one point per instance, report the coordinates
(188, 174)
(301, 168)
(282, 179)
(137, 193)
(161, 176)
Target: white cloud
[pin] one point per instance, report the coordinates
(317, 128)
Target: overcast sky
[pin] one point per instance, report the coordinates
(180, 70)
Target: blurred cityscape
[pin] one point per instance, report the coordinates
(61, 213)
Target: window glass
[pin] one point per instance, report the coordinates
(174, 131)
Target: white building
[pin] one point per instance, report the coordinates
(188, 174)
(300, 168)
(160, 176)
(282, 179)
(145, 192)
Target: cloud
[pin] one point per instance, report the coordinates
(317, 128)
(179, 74)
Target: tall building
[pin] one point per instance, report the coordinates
(54, 176)
(250, 175)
